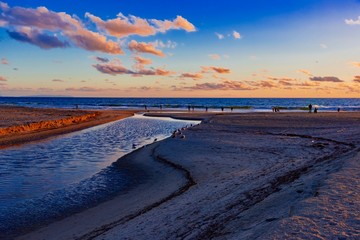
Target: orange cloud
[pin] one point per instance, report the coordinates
(143, 47)
(357, 79)
(2, 79)
(236, 35)
(214, 56)
(220, 70)
(57, 80)
(142, 61)
(124, 26)
(194, 76)
(306, 72)
(356, 64)
(115, 68)
(45, 29)
(225, 85)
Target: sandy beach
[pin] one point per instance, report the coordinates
(236, 176)
(20, 125)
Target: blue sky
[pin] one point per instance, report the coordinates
(204, 49)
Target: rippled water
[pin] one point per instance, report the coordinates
(50, 179)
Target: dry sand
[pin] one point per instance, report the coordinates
(20, 125)
(237, 176)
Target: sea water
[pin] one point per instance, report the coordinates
(47, 180)
(213, 104)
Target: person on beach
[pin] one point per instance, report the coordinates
(222, 109)
(145, 107)
(315, 110)
(206, 109)
(231, 108)
(310, 108)
(160, 107)
(189, 108)
(338, 110)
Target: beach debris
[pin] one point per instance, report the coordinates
(155, 139)
(182, 137)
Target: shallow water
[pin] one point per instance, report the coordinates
(53, 178)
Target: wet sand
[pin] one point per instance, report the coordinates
(19, 125)
(237, 176)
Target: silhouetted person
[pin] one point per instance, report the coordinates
(189, 108)
(206, 109)
(145, 107)
(231, 108)
(310, 108)
(222, 109)
(338, 109)
(315, 110)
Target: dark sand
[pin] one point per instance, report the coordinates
(237, 176)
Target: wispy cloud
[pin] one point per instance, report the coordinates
(4, 61)
(214, 56)
(306, 72)
(142, 47)
(220, 36)
(353, 22)
(2, 79)
(236, 34)
(161, 44)
(101, 59)
(57, 80)
(220, 70)
(326, 79)
(356, 64)
(224, 85)
(357, 79)
(323, 45)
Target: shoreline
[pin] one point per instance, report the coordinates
(325, 141)
(16, 130)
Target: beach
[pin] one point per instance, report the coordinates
(235, 176)
(20, 125)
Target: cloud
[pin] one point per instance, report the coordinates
(323, 45)
(214, 56)
(219, 36)
(225, 85)
(306, 72)
(4, 61)
(123, 26)
(102, 59)
(57, 80)
(236, 35)
(43, 28)
(281, 79)
(115, 68)
(86, 89)
(143, 47)
(356, 64)
(2, 79)
(357, 79)
(161, 44)
(194, 76)
(37, 38)
(220, 70)
(353, 22)
(326, 79)
(112, 69)
(142, 61)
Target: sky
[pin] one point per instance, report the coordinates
(157, 48)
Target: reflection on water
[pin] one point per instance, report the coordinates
(53, 178)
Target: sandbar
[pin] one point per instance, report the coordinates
(236, 176)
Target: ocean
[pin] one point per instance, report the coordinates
(213, 104)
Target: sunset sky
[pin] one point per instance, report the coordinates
(187, 48)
